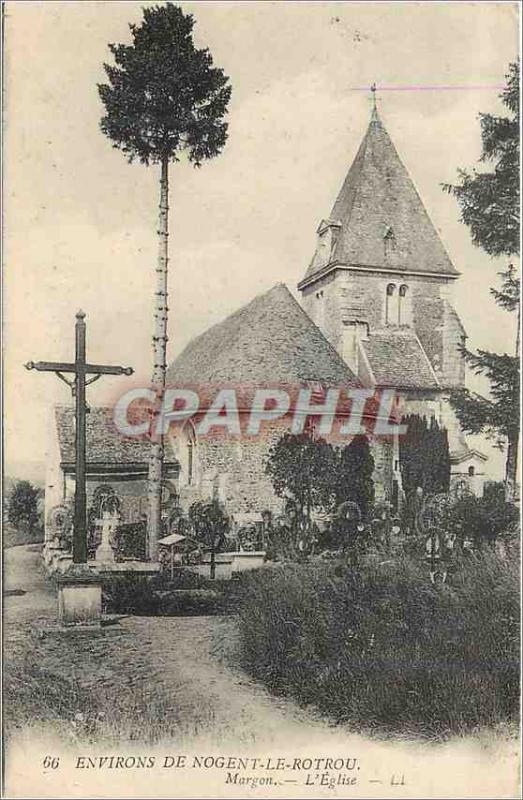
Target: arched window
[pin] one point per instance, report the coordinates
(402, 305)
(191, 444)
(391, 305)
(471, 472)
(319, 316)
(186, 453)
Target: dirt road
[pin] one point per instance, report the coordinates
(176, 680)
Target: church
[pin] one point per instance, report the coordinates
(375, 312)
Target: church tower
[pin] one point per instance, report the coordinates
(379, 286)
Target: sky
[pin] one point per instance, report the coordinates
(80, 222)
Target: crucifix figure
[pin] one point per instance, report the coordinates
(80, 369)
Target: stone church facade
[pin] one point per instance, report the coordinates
(376, 312)
(379, 286)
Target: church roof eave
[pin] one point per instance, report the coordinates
(312, 278)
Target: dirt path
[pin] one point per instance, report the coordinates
(178, 677)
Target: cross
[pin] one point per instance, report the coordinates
(80, 369)
(373, 90)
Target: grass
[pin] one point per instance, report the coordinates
(97, 687)
(385, 649)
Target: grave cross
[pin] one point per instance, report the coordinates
(80, 369)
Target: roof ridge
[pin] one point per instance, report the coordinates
(270, 339)
(427, 359)
(196, 339)
(358, 162)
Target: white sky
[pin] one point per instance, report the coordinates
(80, 222)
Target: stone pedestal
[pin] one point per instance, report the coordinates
(79, 597)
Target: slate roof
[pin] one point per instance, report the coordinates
(271, 340)
(397, 359)
(105, 445)
(378, 199)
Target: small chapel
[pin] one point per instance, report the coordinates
(375, 311)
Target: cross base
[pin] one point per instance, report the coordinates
(79, 597)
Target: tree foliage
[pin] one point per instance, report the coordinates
(163, 94)
(424, 457)
(489, 200)
(498, 416)
(319, 477)
(210, 524)
(354, 475)
(489, 203)
(303, 469)
(22, 509)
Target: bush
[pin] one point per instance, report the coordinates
(131, 594)
(480, 520)
(384, 648)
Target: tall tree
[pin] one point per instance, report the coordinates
(163, 98)
(489, 203)
(354, 475)
(424, 460)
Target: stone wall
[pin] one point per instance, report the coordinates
(233, 468)
(350, 295)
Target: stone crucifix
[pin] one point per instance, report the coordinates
(80, 369)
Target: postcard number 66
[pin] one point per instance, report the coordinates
(51, 762)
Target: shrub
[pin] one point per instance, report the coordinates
(382, 647)
(480, 520)
(130, 594)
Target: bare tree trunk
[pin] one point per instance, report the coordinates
(511, 465)
(213, 559)
(154, 489)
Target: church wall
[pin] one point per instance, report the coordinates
(233, 468)
(321, 302)
(453, 367)
(350, 295)
(428, 318)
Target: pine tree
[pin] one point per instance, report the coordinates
(489, 203)
(163, 98)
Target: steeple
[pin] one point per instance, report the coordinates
(378, 220)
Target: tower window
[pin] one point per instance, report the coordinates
(391, 305)
(471, 472)
(389, 241)
(402, 305)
